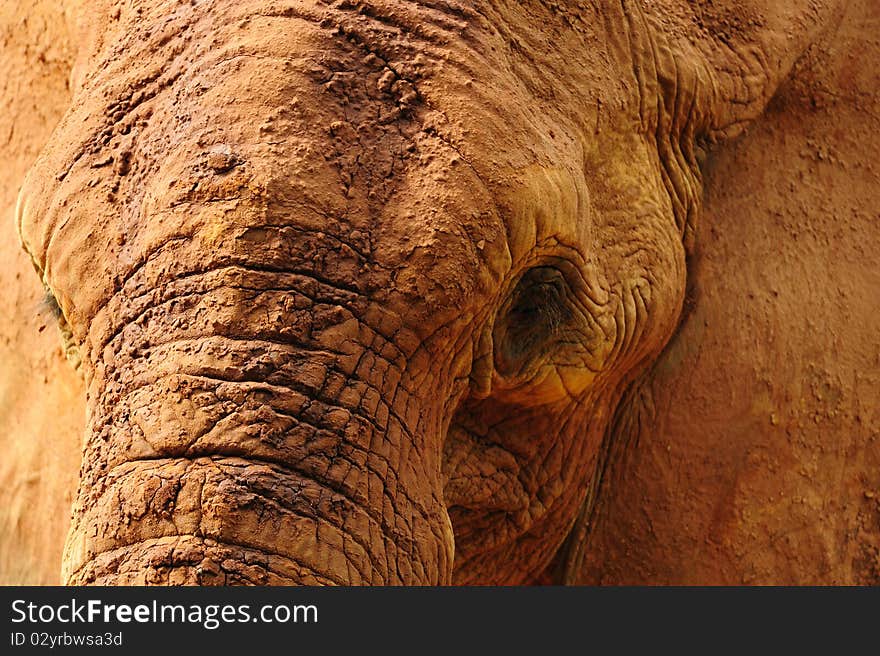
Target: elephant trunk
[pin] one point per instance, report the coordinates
(228, 224)
(249, 426)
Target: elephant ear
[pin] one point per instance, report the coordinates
(745, 48)
(718, 64)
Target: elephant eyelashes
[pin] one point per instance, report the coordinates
(534, 314)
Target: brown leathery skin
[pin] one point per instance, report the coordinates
(357, 287)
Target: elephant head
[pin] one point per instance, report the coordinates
(356, 286)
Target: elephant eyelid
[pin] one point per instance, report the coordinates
(537, 311)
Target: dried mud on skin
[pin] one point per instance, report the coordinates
(747, 452)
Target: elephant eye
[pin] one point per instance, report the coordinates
(51, 306)
(50, 303)
(534, 313)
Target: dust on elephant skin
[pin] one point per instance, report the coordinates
(356, 288)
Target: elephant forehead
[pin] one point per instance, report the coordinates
(243, 116)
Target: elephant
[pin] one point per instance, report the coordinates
(401, 292)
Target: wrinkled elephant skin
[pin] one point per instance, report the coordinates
(355, 288)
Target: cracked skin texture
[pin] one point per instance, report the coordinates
(368, 293)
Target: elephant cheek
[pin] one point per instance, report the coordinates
(225, 447)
